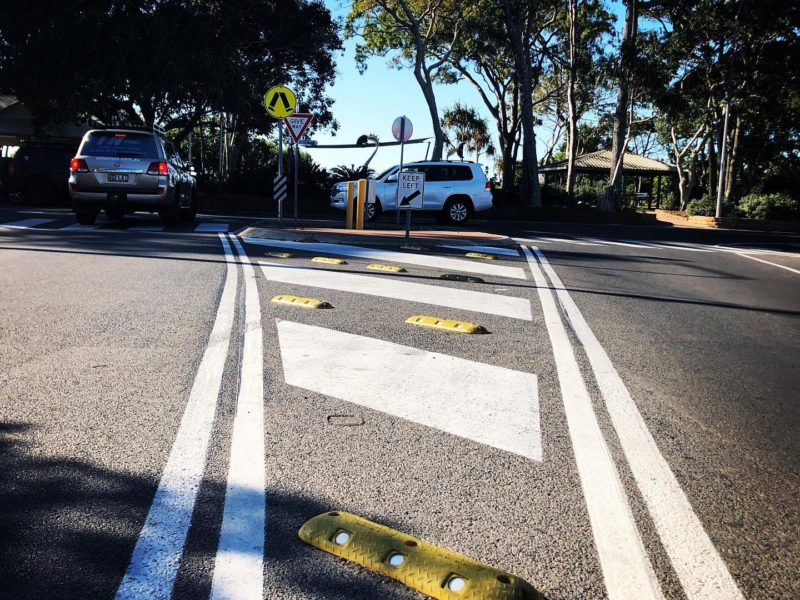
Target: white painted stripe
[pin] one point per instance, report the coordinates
(145, 228)
(423, 260)
(766, 262)
(239, 565)
(26, 223)
(392, 287)
(211, 227)
(627, 572)
(697, 564)
(156, 557)
(451, 394)
(79, 227)
(580, 241)
(486, 249)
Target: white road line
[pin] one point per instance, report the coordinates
(699, 567)
(145, 228)
(627, 571)
(766, 262)
(423, 260)
(451, 394)
(26, 223)
(239, 565)
(211, 227)
(487, 249)
(392, 287)
(156, 557)
(79, 227)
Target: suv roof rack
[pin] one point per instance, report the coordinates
(153, 129)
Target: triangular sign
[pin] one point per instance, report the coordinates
(297, 124)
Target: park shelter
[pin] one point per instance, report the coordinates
(599, 164)
(17, 125)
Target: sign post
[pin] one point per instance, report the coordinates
(280, 102)
(402, 130)
(297, 124)
(410, 193)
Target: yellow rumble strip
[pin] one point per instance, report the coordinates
(458, 277)
(279, 254)
(300, 301)
(479, 255)
(447, 324)
(434, 571)
(328, 261)
(414, 248)
(389, 268)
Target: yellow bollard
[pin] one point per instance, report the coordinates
(362, 200)
(348, 223)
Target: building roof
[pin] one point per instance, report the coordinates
(600, 162)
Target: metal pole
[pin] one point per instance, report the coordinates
(402, 146)
(221, 141)
(296, 176)
(280, 166)
(190, 149)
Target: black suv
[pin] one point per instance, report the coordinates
(38, 173)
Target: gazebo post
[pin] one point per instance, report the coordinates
(658, 193)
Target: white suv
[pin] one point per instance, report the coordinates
(453, 191)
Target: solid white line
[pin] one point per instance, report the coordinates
(154, 564)
(699, 567)
(423, 260)
(211, 227)
(392, 287)
(486, 249)
(145, 228)
(26, 223)
(79, 227)
(239, 565)
(766, 262)
(627, 572)
(451, 394)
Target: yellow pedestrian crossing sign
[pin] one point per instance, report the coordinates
(280, 101)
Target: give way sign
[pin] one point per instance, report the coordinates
(297, 124)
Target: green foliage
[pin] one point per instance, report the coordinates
(768, 206)
(351, 173)
(466, 131)
(702, 207)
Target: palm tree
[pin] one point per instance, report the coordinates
(351, 173)
(466, 131)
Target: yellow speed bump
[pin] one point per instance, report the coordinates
(300, 301)
(480, 255)
(458, 277)
(414, 248)
(434, 571)
(328, 261)
(447, 324)
(279, 254)
(388, 268)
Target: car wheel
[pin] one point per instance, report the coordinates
(86, 217)
(373, 211)
(15, 197)
(188, 215)
(170, 215)
(457, 211)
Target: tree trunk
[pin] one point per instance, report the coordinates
(626, 54)
(424, 81)
(711, 166)
(733, 163)
(572, 120)
(520, 43)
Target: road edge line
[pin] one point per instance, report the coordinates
(682, 534)
(156, 557)
(239, 562)
(627, 571)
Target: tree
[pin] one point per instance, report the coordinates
(218, 63)
(422, 32)
(465, 130)
(527, 23)
(351, 173)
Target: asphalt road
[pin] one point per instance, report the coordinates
(628, 428)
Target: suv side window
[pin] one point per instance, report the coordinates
(460, 173)
(434, 172)
(172, 154)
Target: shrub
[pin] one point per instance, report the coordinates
(769, 206)
(702, 207)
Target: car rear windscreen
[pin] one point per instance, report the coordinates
(117, 144)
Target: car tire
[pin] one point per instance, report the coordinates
(170, 215)
(86, 217)
(373, 211)
(457, 211)
(16, 197)
(188, 215)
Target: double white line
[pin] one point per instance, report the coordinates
(238, 568)
(627, 571)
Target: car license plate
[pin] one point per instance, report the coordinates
(118, 178)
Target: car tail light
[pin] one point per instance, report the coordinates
(488, 185)
(158, 168)
(78, 165)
